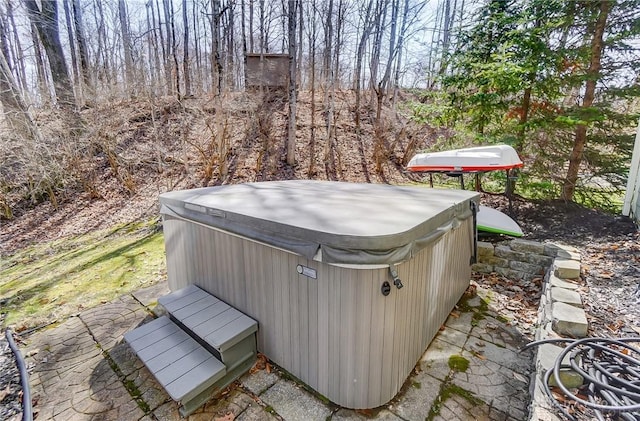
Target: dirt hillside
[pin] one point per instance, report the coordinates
(133, 151)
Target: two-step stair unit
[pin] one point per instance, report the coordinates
(202, 346)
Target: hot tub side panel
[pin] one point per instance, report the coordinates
(337, 332)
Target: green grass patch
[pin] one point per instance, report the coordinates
(52, 280)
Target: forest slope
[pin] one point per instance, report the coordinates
(130, 152)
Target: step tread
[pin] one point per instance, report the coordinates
(208, 317)
(179, 363)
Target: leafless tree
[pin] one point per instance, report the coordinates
(291, 131)
(16, 113)
(83, 53)
(185, 56)
(45, 20)
(130, 82)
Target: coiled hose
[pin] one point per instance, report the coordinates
(611, 372)
(27, 410)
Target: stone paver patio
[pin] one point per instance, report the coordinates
(83, 370)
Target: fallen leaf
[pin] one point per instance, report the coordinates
(478, 354)
(365, 412)
(4, 393)
(559, 396)
(520, 377)
(228, 417)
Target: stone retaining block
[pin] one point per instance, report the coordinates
(566, 296)
(560, 314)
(508, 253)
(527, 246)
(569, 320)
(485, 249)
(566, 268)
(524, 256)
(554, 281)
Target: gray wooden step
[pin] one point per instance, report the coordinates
(202, 346)
(214, 321)
(180, 364)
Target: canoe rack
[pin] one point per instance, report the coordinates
(198, 349)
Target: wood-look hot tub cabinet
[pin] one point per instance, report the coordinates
(310, 260)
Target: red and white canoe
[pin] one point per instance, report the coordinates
(484, 158)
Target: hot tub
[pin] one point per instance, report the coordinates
(348, 282)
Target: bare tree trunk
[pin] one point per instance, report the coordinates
(196, 45)
(339, 41)
(244, 40)
(364, 38)
(152, 52)
(284, 5)
(300, 44)
(16, 113)
(434, 48)
(328, 71)
(312, 58)
(216, 66)
(104, 71)
(291, 132)
(6, 44)
(72, 44)
(403, 29)
(46, 22)
(165, 42)
(19, 54)
(230, 30)
(382, 85)
(251, 50)
(15, 110)
(43, 88)
(174, 49)
(130, 84)
(82, 45)
(185, 57)
(263, 47)
(380, 18)
(446, 35)
(580, 140)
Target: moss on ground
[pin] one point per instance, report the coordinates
(52, 280)
(447, 390)
(479, 311)
(458, 363)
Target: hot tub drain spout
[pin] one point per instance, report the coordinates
(394, 275)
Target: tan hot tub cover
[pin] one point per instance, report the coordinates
(332, 222)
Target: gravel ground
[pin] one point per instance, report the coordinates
(10, 390)
(610, 249)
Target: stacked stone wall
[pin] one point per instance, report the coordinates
(561, 312)
(516, 259)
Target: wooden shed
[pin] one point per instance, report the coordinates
(267, 70)
(348, 282)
